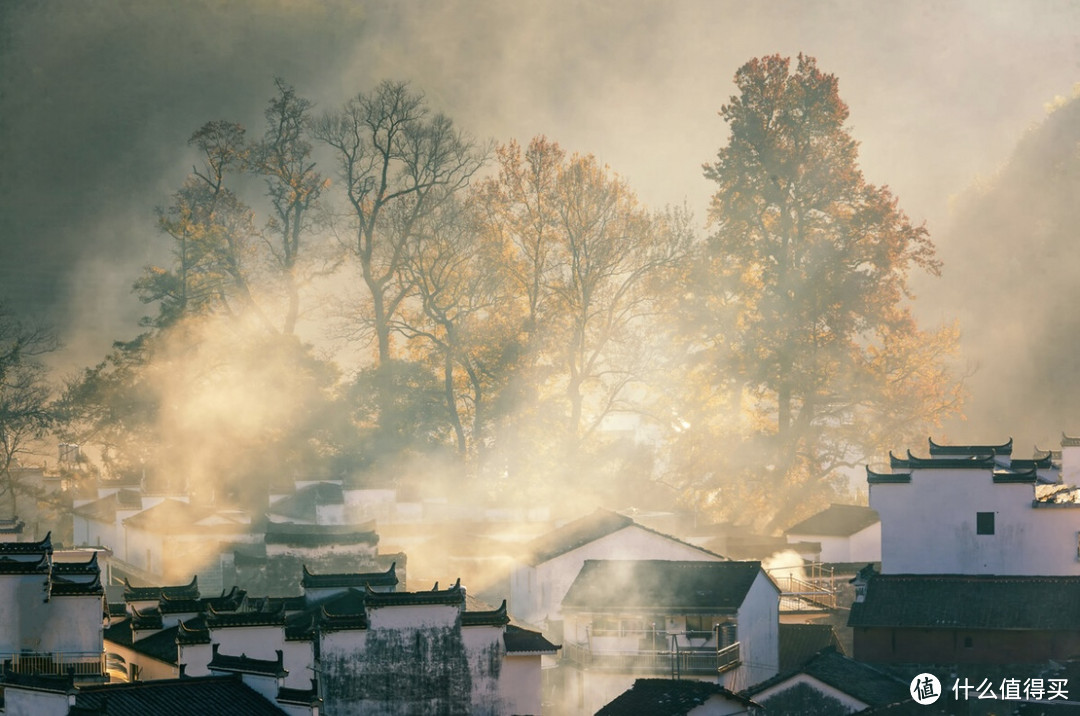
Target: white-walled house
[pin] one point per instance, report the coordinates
(625, 619)
(846, 533)
(977, 510)
(100, 522)
(830, 683)
(314, 503)
(173, 539)
(370, 649)
(50, 611)
(552, 561)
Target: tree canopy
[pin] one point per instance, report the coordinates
(532, 322)
(802, 291)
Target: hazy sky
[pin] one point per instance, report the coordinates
(97, 100)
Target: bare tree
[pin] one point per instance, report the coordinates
(397, 162)
(284, 159)
(24, 393)
(462, 311)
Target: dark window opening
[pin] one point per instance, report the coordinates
(984, 523)
(967, 642)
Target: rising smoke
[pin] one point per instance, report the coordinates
(99, 100)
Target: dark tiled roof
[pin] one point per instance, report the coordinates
(961, 462)
(159, 645)
(12, 525)
(226, 602)
(669, 586)
(320, 535)
(1005, 448)
(969, 602)
(180, 606)
(301, 697)
(590, 528)
(489, 617)
(225, 620)
(837, 521)
(575, 534)
(331, 581)
(86, 568)
(149, 618)
(244, 664)
(341, 612)
(183, 591)
(193, 631)
(44, 546)
(302, 504)
(101, 510)
(203, 695)
(876, 478)
(667, 697)
(24, 566)
(1014, 475)
(301, 627)
(526, 641)
(800, 642)
(61, 587)
(455, 595)
(273, 604)
(1043, 463)
(861, 681)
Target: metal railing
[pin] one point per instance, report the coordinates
(814, 588)
(676, 659)
(57, 663)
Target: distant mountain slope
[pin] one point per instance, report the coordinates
(1012, 273)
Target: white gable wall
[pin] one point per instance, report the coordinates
(536, 592)
(848, 701)
(929, 527)
(758, 631)
(718, 705)
(73, 624)
(23, 611)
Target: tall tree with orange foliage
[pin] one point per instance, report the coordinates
(802, 291)
(587, 264)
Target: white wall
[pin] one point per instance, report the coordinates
(520, 684)
(73, 624)
(758, 632)
(23, 610)
(929, 527)
(21, 701)
(863, 546)
(536, 592)
(486, 654)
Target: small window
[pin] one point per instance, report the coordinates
(984, 523)
(967, 642)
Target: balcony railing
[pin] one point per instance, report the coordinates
(77, 663)
(671, 659)
(810, 588)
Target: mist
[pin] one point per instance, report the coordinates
(98, 102)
